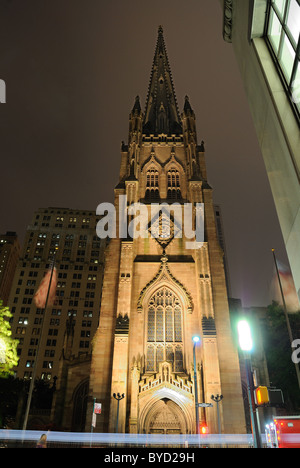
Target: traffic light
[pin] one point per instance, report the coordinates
(276, 398)
(261, 396)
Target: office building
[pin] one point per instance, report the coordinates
(9, 255)
(79, 265)
(265, 36)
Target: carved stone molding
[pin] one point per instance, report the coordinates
(164, 274)
(122, 325)
(208, 326)
(227, 20)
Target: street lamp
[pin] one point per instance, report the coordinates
(245, 338)
(217, 399)
(118, 397)
(246, 345)
(196, 339)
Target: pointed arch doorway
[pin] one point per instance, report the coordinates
(165, 417)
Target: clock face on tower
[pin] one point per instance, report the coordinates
(163, 228)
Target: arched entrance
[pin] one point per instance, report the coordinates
(79, 407)
(165, 417)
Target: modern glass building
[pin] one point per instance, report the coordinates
(265, 38)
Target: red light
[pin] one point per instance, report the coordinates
(203, 429)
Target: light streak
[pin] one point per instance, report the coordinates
(124, 439)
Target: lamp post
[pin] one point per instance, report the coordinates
(118, 397)
(217, 399)
(246, 345)
(196, 339)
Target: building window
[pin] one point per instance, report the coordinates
(152, 187)
(47, 364)
(283, 36)
(174, 191)
(164, 331)
(84, 344)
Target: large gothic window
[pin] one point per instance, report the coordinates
(164, 331)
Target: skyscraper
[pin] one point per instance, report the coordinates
(158, 292)
(79, 264)
(9, 256)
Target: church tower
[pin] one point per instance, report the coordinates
(160, 289)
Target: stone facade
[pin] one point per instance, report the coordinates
(158, 293)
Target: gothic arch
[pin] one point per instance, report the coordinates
(151, 175)
(79, 398)
(152, 161)
(152, 190)
(174, 163)
(164, 277)
(168, 340)
(164, 331)
(176, 188)
(166, 411)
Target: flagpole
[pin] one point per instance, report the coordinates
(286, 314)
(31, 387)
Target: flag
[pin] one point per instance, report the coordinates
(288, 288)
(40, 296)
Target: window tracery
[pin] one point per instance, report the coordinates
(164, 331)
(152, 186)
(174, 191)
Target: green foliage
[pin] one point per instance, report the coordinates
(8, 346)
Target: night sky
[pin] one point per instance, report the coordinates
(72, 70)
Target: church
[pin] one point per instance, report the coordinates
(159, 292)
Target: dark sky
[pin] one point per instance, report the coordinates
(72, 70)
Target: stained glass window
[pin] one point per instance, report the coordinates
(150, 358)
(159, 354)
(164, 334)
(178, 359)
(151, 324)
(169, 324)
(159, 323)
(177, 319)
(170, 354)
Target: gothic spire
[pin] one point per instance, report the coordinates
(161, 113)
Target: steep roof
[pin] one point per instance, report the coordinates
(161, 112)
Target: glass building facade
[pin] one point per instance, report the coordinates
(282, 33)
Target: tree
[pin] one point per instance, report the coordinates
(8, 346)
